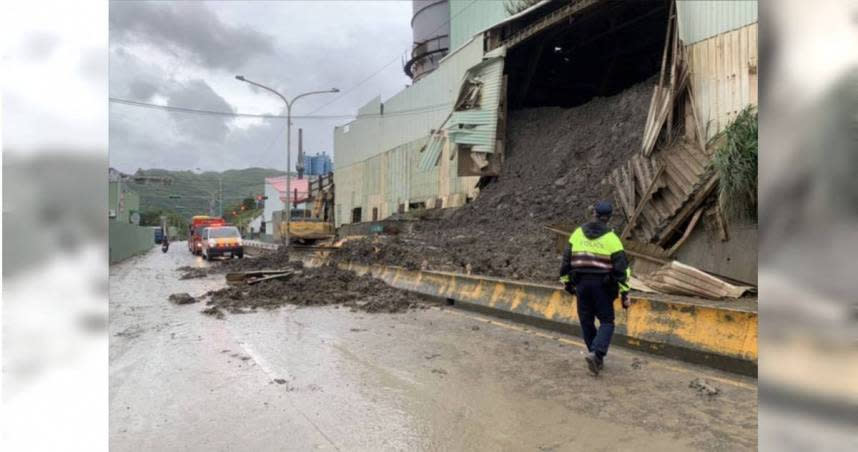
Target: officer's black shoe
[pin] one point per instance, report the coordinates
(593, 363)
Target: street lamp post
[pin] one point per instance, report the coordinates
(289, 104)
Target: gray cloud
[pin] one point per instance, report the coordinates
(189, 29)
(207, 128)
(313, 45)
(142, 89)
(130, 76)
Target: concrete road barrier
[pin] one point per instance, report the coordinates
(717, 334)
(260, 245)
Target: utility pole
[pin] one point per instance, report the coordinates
(299, 166)
(289, 103)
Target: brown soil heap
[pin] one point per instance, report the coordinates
(556, 160)
(182, 298)
(326, 285)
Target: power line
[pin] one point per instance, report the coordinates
(135, 103)
(395, 59)
(406, 112)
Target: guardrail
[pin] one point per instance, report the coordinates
(714, 334)
(261, 245)
(719, 334)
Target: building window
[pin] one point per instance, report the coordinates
(356, 215)
(375, 214)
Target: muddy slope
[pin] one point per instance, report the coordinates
(556, 160)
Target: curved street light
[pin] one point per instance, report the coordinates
(289, 104)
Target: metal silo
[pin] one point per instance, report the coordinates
(430, 25)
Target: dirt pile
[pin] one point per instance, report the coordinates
(703, 387)
(182, 298)
(320, 286)
(270, 260)
(556, 160)
(189, 272)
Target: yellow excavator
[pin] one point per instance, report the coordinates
(308, 226)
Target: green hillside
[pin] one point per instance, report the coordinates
(196, 190)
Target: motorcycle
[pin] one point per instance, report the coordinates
(165, 245)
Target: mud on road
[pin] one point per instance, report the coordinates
(306, 378)
(305, 286)
(320, 286)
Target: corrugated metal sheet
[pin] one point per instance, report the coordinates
(469, 17)
(724, 76)
(478, 126)
(685, 172)
(702, 19)
(392, 178)
(680, 279)
(432, 151)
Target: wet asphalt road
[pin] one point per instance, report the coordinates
(435, 379)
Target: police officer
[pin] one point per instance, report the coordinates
(595, 270)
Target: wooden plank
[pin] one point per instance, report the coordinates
(629, 183)
(672, 85)
(752, 61)
(642, 204)
(728, 75)
(687, 233)
(701, 140)
(712, 116)
(621, 195)
(641, 173)
(722, 224)
(737, 64)
(743, 66)
(670, 25)
(666, 107)
(657, 94)
(719, 82)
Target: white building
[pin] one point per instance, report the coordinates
(275, 193)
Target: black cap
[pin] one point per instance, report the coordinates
(603, 209)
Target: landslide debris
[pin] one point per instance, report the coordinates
(192, 272)
(555, 162)
(269, 260)
(182, 298)
(319, 286)
(703, 387)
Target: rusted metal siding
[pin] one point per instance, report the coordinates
(703, 19)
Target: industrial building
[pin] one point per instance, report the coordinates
(432, 143)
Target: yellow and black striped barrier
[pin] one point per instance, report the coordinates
(715, 334)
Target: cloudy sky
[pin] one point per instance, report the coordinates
(187, 54)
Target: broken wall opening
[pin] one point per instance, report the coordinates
(597, 53)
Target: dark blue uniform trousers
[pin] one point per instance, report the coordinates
(596, 301)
